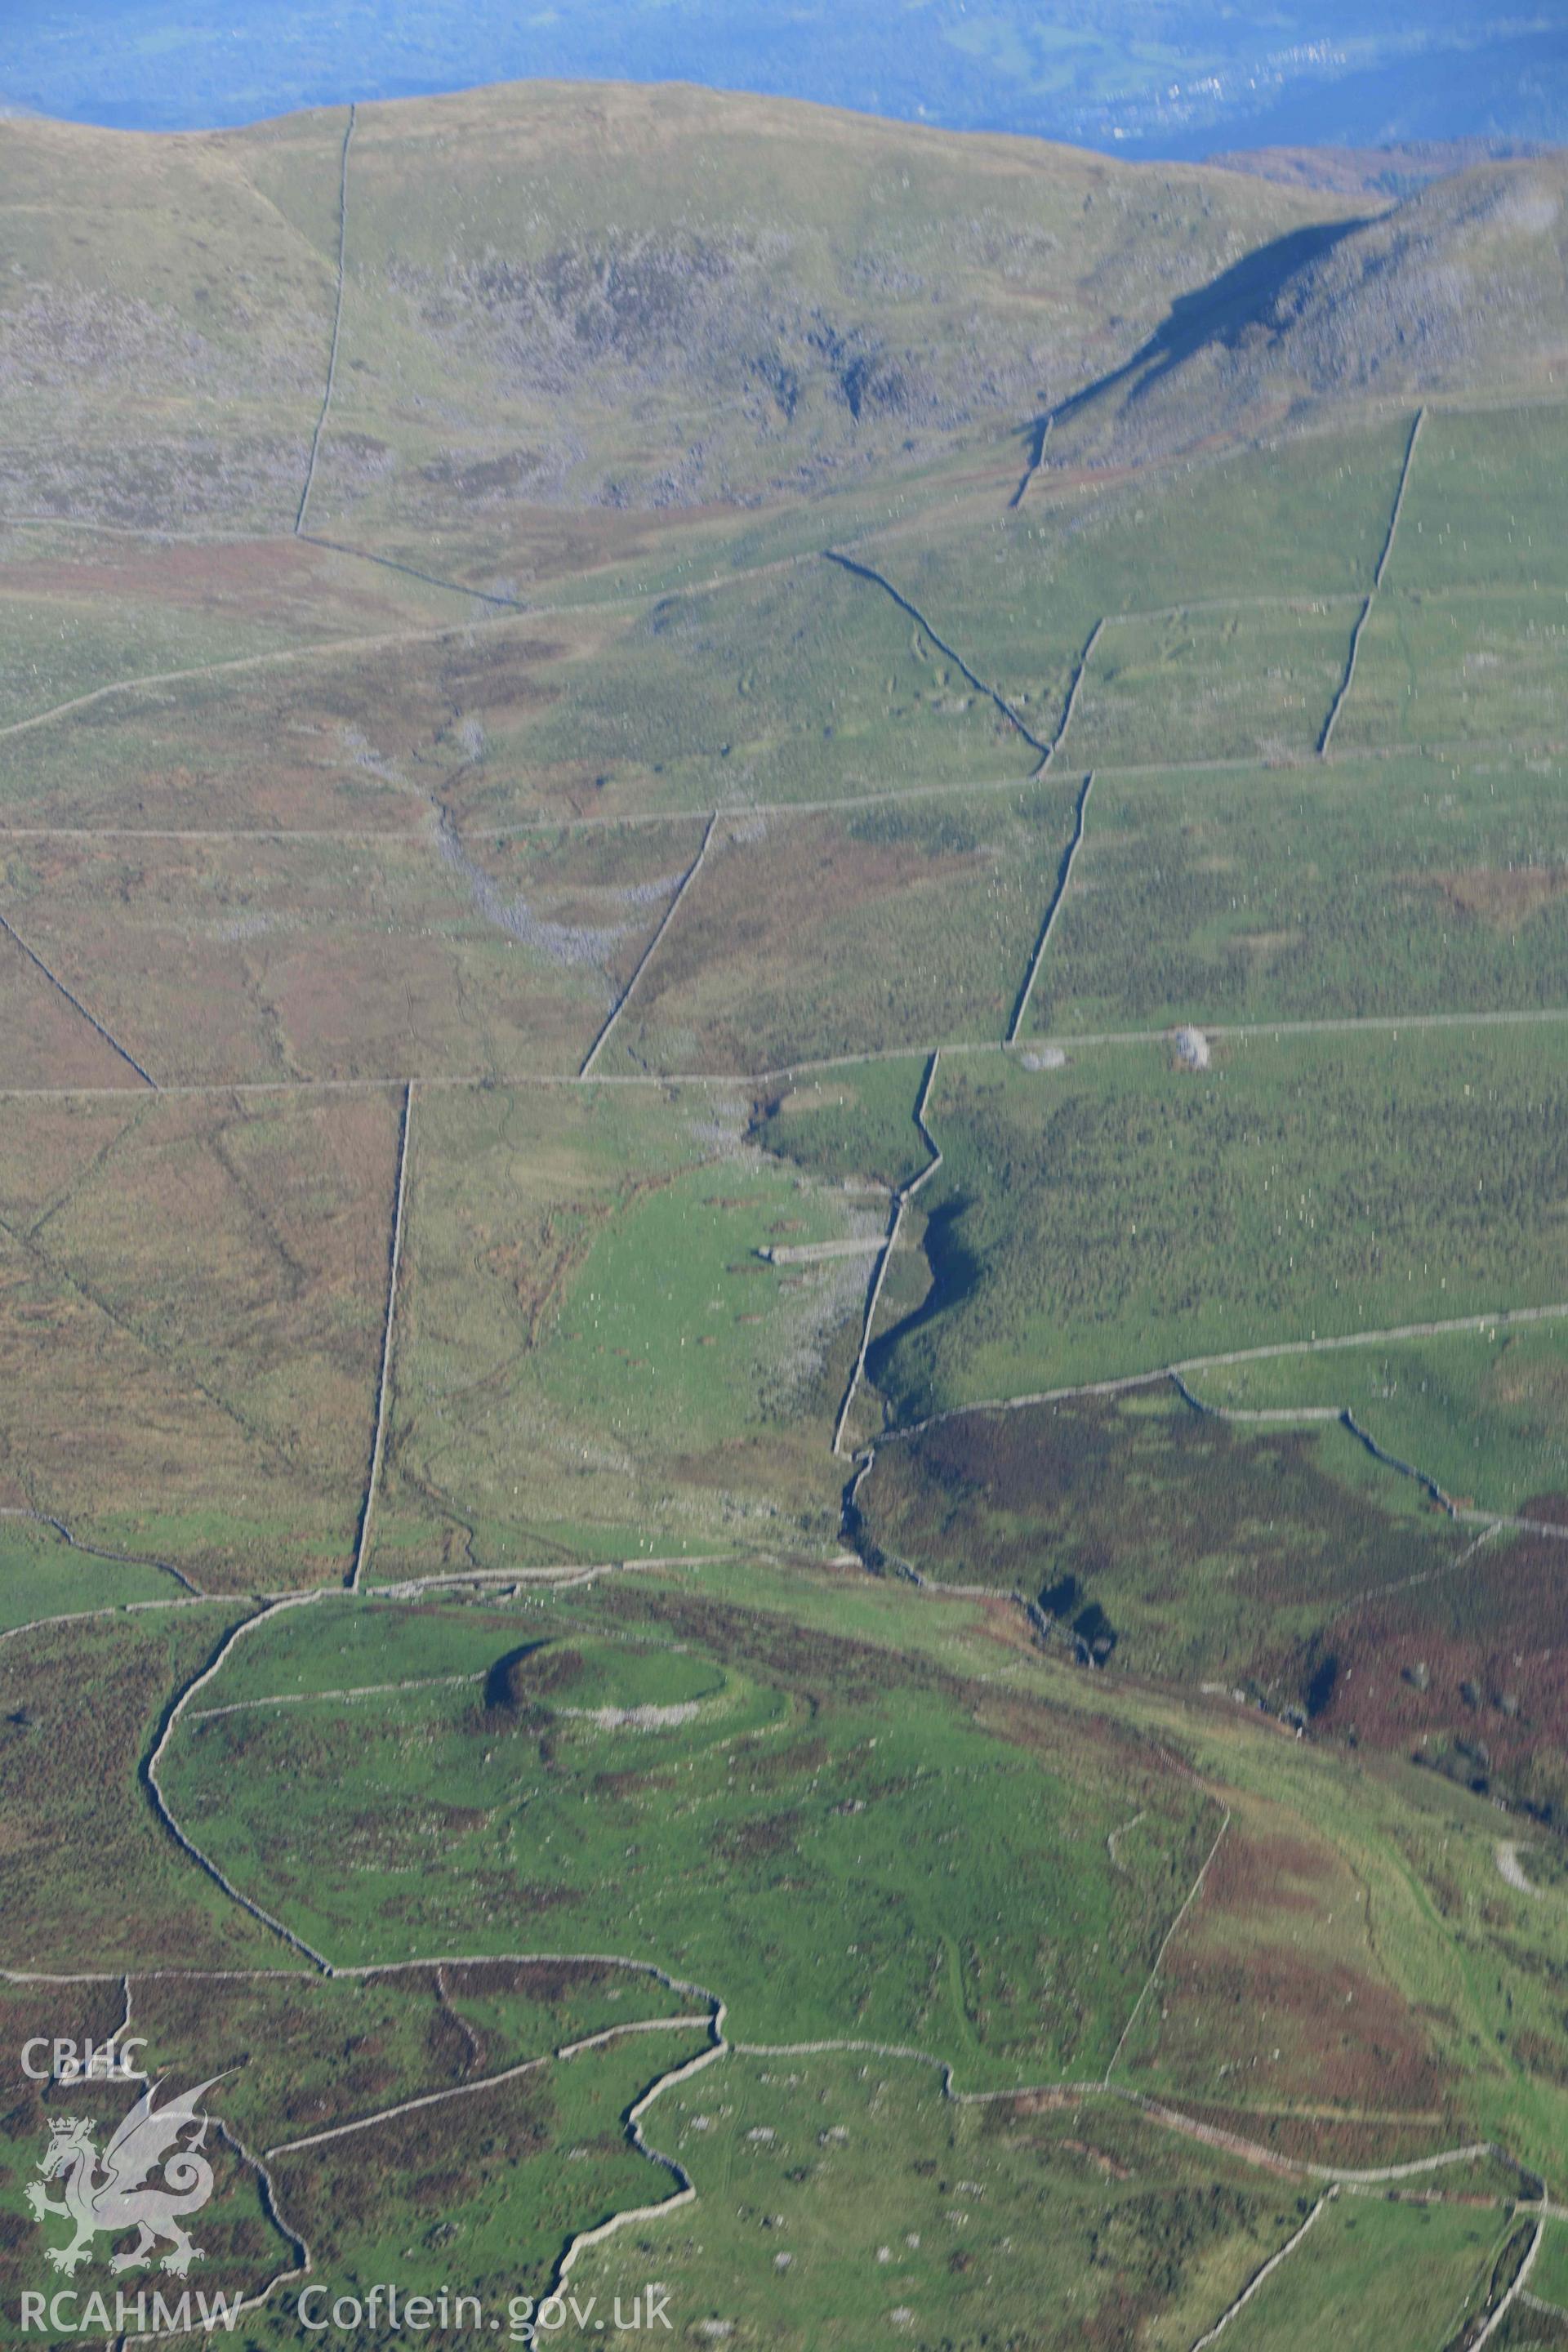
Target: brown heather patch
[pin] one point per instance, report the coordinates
(534, 1673)
(212, 1289)
(1469, 1673)
(78, 2012)
(761, 903)
(1281, 1871)
(630, 1785)
(452, 2051)
(754, 1840)
(304, 2054)
(1063, 1741)
(45, 1042)
(1148, 1515)
(1505, 895)
(1031, 2102)
(281, 579)
(50, 1144)
(432, 2162)
(536, 542)
(1272, 1985)
(1320, 2135)
(1542, 2057)
(42, 867)
(1264, 947)
(539, 1262)
(85, 1867)
(546, 1981)
(795, 1656)
(780, 1454)
(490, 677)
(1097, 2156)
(1517, 1379)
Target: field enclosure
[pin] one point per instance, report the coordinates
(784, 1411)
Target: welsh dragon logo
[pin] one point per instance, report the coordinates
(111, 2194)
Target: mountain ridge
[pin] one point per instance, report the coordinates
(583, 295)
(1460, 287)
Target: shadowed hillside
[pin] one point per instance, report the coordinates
(1461, 288)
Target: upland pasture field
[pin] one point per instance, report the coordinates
(1429, 884)
(784, 1422)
